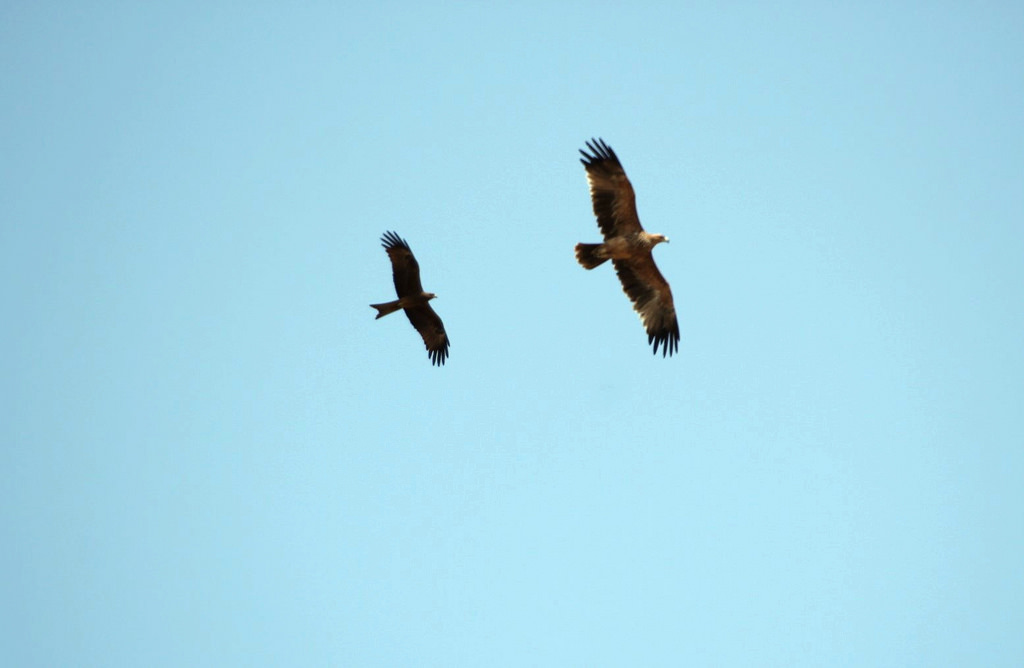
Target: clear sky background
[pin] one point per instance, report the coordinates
(213, 455)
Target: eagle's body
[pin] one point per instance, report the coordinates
(628, 246)
(411, 298)
(625, 247)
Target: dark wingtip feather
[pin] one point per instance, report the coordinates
(439, 356)
(391, 240)
(668, 339)
(599, 151)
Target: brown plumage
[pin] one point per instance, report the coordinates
(413, 299)
(628, 246)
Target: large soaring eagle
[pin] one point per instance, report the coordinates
(413, 299)
(628, 246)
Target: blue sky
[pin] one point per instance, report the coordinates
(214, 455)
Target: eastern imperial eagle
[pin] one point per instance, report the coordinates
(413, 299)
(628, 246)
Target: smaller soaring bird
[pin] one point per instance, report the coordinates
(413, 299)
(628, 246)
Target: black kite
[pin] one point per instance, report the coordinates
(413, 299)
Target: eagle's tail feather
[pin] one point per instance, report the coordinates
(386, 308)
(589, 255)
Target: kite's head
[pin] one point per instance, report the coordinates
(657, 239)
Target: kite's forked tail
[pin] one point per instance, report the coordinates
(589, 255)
(387, 307)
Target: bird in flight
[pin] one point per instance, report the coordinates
(413, 299)
(628, 246)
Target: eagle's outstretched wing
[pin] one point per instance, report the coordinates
(652, 299)
(610, 191)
